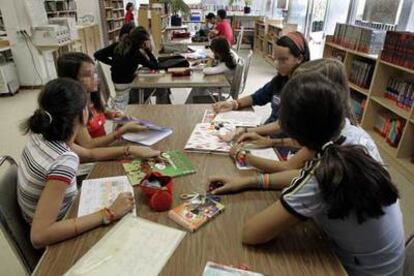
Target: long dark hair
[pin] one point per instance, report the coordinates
(61, 102)
(279, 81)
(68, 66)
(132, 42)
(125, 29)
(221, 46)
(351, 181)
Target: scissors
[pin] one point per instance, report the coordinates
(194, 195)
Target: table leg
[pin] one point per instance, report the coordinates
(141, 96)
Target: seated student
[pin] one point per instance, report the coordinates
(345, 189)
(47, 173)
(222, 28)
(287, 170)
(131, 51)
(335, 71)
(80, 67)
(225, 62)
(210, 23)
(291, 51)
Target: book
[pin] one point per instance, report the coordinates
(205, 138)
(400, 91)
(361, 73)
(148, 137)
(194, 213)
(138, 246)
(399, 48)
(170, 163)
(99, 193)
(239, 118)
(215, 269)
(268, 153)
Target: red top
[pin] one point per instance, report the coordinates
(129, 17)
(96, 125)
(224, 29)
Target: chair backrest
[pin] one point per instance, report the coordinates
(246, 68)
(239, 39)
(104, 72)
(16, 230)
(237, 79)
(409, 257)
(154, 47)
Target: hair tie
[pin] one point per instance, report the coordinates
(327, 145)
(49, 116)
(298, 39)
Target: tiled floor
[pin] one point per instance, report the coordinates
(14, 109)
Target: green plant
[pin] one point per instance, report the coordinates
(179, 6)
(246, 2)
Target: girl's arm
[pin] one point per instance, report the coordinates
(105, 55)
(46, 230)
(267, 224)
(267, 129)
(214, 70)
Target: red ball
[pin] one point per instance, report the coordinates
(161, 201)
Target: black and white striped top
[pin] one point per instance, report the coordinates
(43, 160)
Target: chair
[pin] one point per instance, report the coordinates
(247, 63)
(239, 40)
(16, 230)
(104, 72)
(409, 256)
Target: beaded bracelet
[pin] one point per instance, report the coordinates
(117, 134)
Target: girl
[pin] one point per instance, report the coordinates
(129, 16)
(287, 170)
(131, 51)
(47, 173)
(291, 51)
(225, 62)
(345, 189)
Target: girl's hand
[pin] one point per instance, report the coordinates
(122, 205)
(132, 127)
(223, 185)
(234, 150)
(255, 139)
(143, 152)
(222, 106)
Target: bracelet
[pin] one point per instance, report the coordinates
(259, 180)
(126, 151)
(266, 181)
(235, 105)
(76, 226)
(117, 134)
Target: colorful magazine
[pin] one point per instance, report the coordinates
(196, 212)
(205, 139)
(170, 163)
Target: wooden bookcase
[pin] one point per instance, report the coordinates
(156, 21)
(376, 103)
(266, 33)
(112, 19)
(248, 22)
(61, 8)
(2, 28)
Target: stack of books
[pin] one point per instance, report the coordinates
(401, 91)
(361, 73)
(390, 127)
(399, 49)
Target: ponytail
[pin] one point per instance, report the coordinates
(352, 181)
(61, 102)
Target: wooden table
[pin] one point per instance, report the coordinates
(300, 251)
(185, 41)
(197, 79)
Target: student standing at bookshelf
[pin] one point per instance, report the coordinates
(133, 50)
(129, 15)
(222, 28)
(225, 62)
(47, 173)
(345, 189)
(291, 51)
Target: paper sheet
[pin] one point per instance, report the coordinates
(134, 246)
(239, 118)
(99, 193)
(268, 153)
(148, 137)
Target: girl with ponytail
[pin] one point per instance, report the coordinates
(46, 183)
(224, 63)
(345, 189)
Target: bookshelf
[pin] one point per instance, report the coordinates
(112, 19)
(375, 104)
(155, 20)
(61, 8)
(266, 33)
(2, 28)
(248, 23)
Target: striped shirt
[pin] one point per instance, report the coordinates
(43, 160)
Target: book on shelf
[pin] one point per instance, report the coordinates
(361, 73)
(390, 127)
(399, 49)
(359, 38)
(401, 92)
(170, 163)
(338, 54)
(194, 213)
(358, 103)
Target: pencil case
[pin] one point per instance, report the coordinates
(158, 190)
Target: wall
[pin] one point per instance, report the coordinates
(86, 7)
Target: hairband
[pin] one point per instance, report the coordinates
(327, 145)
(298, 39)
(49, 116)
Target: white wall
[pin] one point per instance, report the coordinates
(85, 7)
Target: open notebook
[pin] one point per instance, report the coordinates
(134, 246)
(239, 118)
